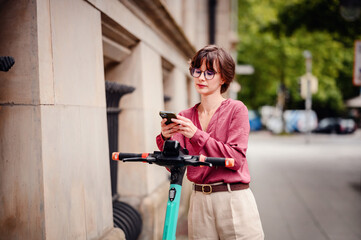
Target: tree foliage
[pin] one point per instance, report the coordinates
(273, 36)
(315, 16)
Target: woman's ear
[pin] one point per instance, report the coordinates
(222, 81)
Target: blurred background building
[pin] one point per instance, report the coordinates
(60, 115)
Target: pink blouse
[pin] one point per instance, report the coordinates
(226, 136)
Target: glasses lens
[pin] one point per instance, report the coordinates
(209, 74)
(196, 72)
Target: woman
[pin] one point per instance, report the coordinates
(221, 206)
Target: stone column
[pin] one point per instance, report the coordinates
(177, 90)
(22, 213)
(139, 122)
(223, 24)
(142, 185)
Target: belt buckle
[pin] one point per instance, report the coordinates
(210, 189)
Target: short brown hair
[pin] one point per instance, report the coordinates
(214, 54)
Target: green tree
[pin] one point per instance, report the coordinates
(273, 36)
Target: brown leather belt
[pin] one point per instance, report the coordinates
(208, 188)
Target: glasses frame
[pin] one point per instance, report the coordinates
(204, 73)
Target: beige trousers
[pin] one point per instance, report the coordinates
(224, 215)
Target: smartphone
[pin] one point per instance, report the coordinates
(168, 116)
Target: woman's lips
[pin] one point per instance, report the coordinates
(201, 86)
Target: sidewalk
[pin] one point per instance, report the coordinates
(307, 191)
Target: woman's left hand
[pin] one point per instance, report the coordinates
(186, 126)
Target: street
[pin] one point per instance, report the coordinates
(307, 191)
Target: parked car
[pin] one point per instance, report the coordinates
(300, 121)
(336, 125)
(254, 120)
(294, 120)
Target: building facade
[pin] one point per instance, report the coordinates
(54, 145)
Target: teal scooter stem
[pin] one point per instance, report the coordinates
(171, 216)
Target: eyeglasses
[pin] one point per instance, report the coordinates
(208, 74)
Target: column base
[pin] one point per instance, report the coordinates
(114, 234)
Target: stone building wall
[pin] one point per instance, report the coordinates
(54, 163)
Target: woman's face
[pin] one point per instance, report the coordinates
(207, 87)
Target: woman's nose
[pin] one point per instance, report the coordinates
(202, 76)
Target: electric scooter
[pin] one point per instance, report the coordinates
(175, 159)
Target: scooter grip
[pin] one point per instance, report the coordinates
(225, 162)
(120, 156)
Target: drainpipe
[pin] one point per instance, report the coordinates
(212, 4)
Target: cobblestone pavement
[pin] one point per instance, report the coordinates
(305, 191)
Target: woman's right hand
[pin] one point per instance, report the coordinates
(168, 130)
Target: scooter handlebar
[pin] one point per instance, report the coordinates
(216, 161)
(192, 160)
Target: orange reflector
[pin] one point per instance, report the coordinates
(145, 155)
(202, 158)
(115, 156)
(229, 162)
